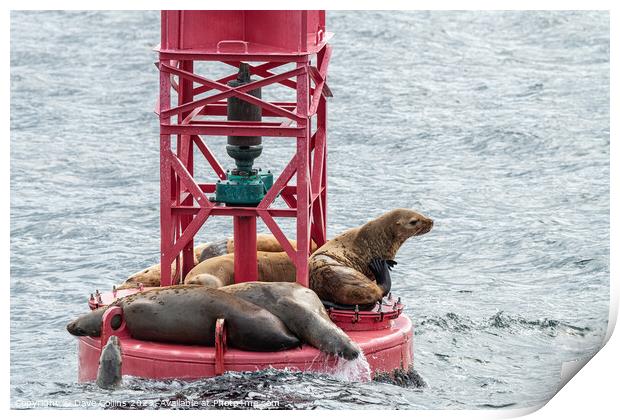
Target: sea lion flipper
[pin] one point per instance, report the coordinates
(391, 264)
(381, 269)
(214, 249)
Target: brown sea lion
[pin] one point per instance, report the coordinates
(187, 315)
(353, 268)
(301, 311)
(151, 276)
(220, 271)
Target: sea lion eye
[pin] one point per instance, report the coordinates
(413, 222)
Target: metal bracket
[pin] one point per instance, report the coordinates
(111, 326)
(220, 346)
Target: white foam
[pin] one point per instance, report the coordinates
(356, 370)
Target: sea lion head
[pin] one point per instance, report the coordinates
(208, 280)
(88, 324)
(407, 223)
(383, 236)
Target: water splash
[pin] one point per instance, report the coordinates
(356, 370)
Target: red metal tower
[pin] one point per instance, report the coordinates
(267, 40)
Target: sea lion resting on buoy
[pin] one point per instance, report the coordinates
(187, 315)
(220, 271)
(301, 311)
(354, 267)
(151, 276)
(259, 317)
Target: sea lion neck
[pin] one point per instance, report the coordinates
(380, 236)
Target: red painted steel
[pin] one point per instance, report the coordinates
(231, 37)
(220, 346)
(246, 268)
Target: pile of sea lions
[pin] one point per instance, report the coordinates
(351, 269)
(274, 313)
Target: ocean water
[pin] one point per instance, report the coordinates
(495, 124)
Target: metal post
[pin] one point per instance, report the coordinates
(303, 199)
(186, 155)
(246, 268)
(165, 185)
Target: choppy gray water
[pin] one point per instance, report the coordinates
(496, 125)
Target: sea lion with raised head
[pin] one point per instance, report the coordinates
(187, 315)
(109, 373)
(354, 267)
(151, 276)
(301, 311)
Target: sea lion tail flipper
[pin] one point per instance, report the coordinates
(214, 249)
(381, 269)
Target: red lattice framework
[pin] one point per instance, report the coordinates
(185, 206)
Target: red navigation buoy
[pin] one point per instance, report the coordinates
(193, 107)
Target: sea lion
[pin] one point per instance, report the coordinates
(151, 276)
(301, 311)
(187, 315)
(109, 374)
(220, 271)
(353, 268)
